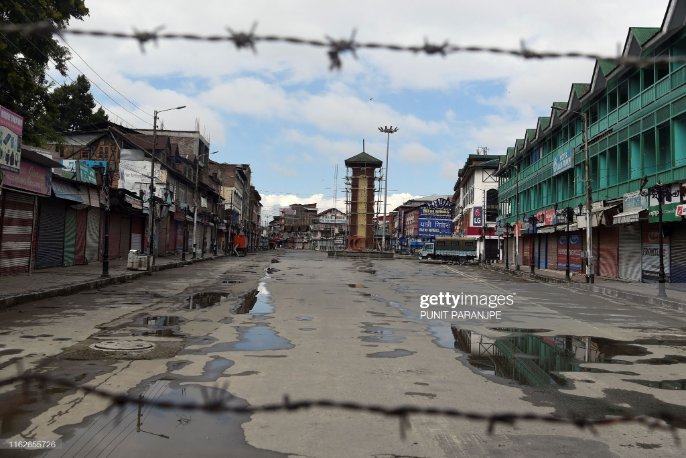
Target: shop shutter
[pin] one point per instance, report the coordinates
(179, 236)
(608, 242)
(124, 236)
(552, 251)
(678, 253)
(92, 234)
(81, 235)
(17, 228)
(630, 252)
(69, 237)
(650, 259)
(115, 228)
(137, 233)
(50, 243)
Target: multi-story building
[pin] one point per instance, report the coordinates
(476, 202)
(627, 127)
(328, 230)
(296, 221)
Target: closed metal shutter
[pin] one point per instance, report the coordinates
(124, 236)
(650, 249)
(179, 236)
(678, 254)
(630, 252)
(608, 242)
(115, 233)
(69, 237)
(552, 251)
(81, 235)
(92, 234)
(162, 226)
(17, 228)
(137, 233)
(50, 243)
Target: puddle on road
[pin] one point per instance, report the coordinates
(538, 360)
(257, 301)
(397, 353)
(303, 318)
(356, 285)
(205, 299)
(383, 333)
(168, 432)
(258, 337)
(161, 326)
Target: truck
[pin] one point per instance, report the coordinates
(458, 249)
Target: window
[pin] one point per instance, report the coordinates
(612, 100)
(648, 76)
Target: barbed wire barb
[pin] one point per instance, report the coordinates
(244, 40)
(336, 47)
(144, 37)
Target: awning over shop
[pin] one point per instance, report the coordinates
(630, 216)
(563, 227)
(69, 191)
(546, 230)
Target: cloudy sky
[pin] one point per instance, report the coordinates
(282, 111)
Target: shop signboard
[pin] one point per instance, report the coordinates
(11, 130)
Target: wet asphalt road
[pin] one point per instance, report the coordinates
(342, 329)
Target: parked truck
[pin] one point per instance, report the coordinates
(458, 249)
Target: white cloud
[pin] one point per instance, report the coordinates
(415, 152)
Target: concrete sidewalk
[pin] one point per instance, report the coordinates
(646, 293)
(58, 281)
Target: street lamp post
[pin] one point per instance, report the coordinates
(388, 130)
(568, 214)
(508, 226)
(662, 193)
(532, 229)
(516, 167)
(590, 261)
(195, 199)
(151, 205)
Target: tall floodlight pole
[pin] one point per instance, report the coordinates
(151, 204)
(388, 130)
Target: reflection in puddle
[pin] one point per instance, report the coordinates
(257, 301)
(356, 285)
(259, 337)
(537, 360)
(303, 318)
(151, 431)
(205, 299)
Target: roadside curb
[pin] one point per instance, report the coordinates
(604, 290)
(76, 287)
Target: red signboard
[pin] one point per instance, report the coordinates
(31, 177)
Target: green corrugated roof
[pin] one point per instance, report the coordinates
(510, 150)
(606, 66)
(643, 34)
(580, 89)
(530, 134)
(543, 122)
(519, 144)
(560, 105)
(363, 158)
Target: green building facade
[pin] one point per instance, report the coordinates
(633, 120)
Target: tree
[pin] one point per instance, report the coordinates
(74, 105)
(24, 60)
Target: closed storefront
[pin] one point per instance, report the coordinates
(137, 231)
(629, 255)
(92, 234)
(124, 236)
(21, 189)
(16, 214)
(678, 253)
(50, 241)
(81, 235)
(650, 253)
(69, 237)
(551, 254)
(608, 243)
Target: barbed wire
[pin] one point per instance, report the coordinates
(219, 403)
(336, 47)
